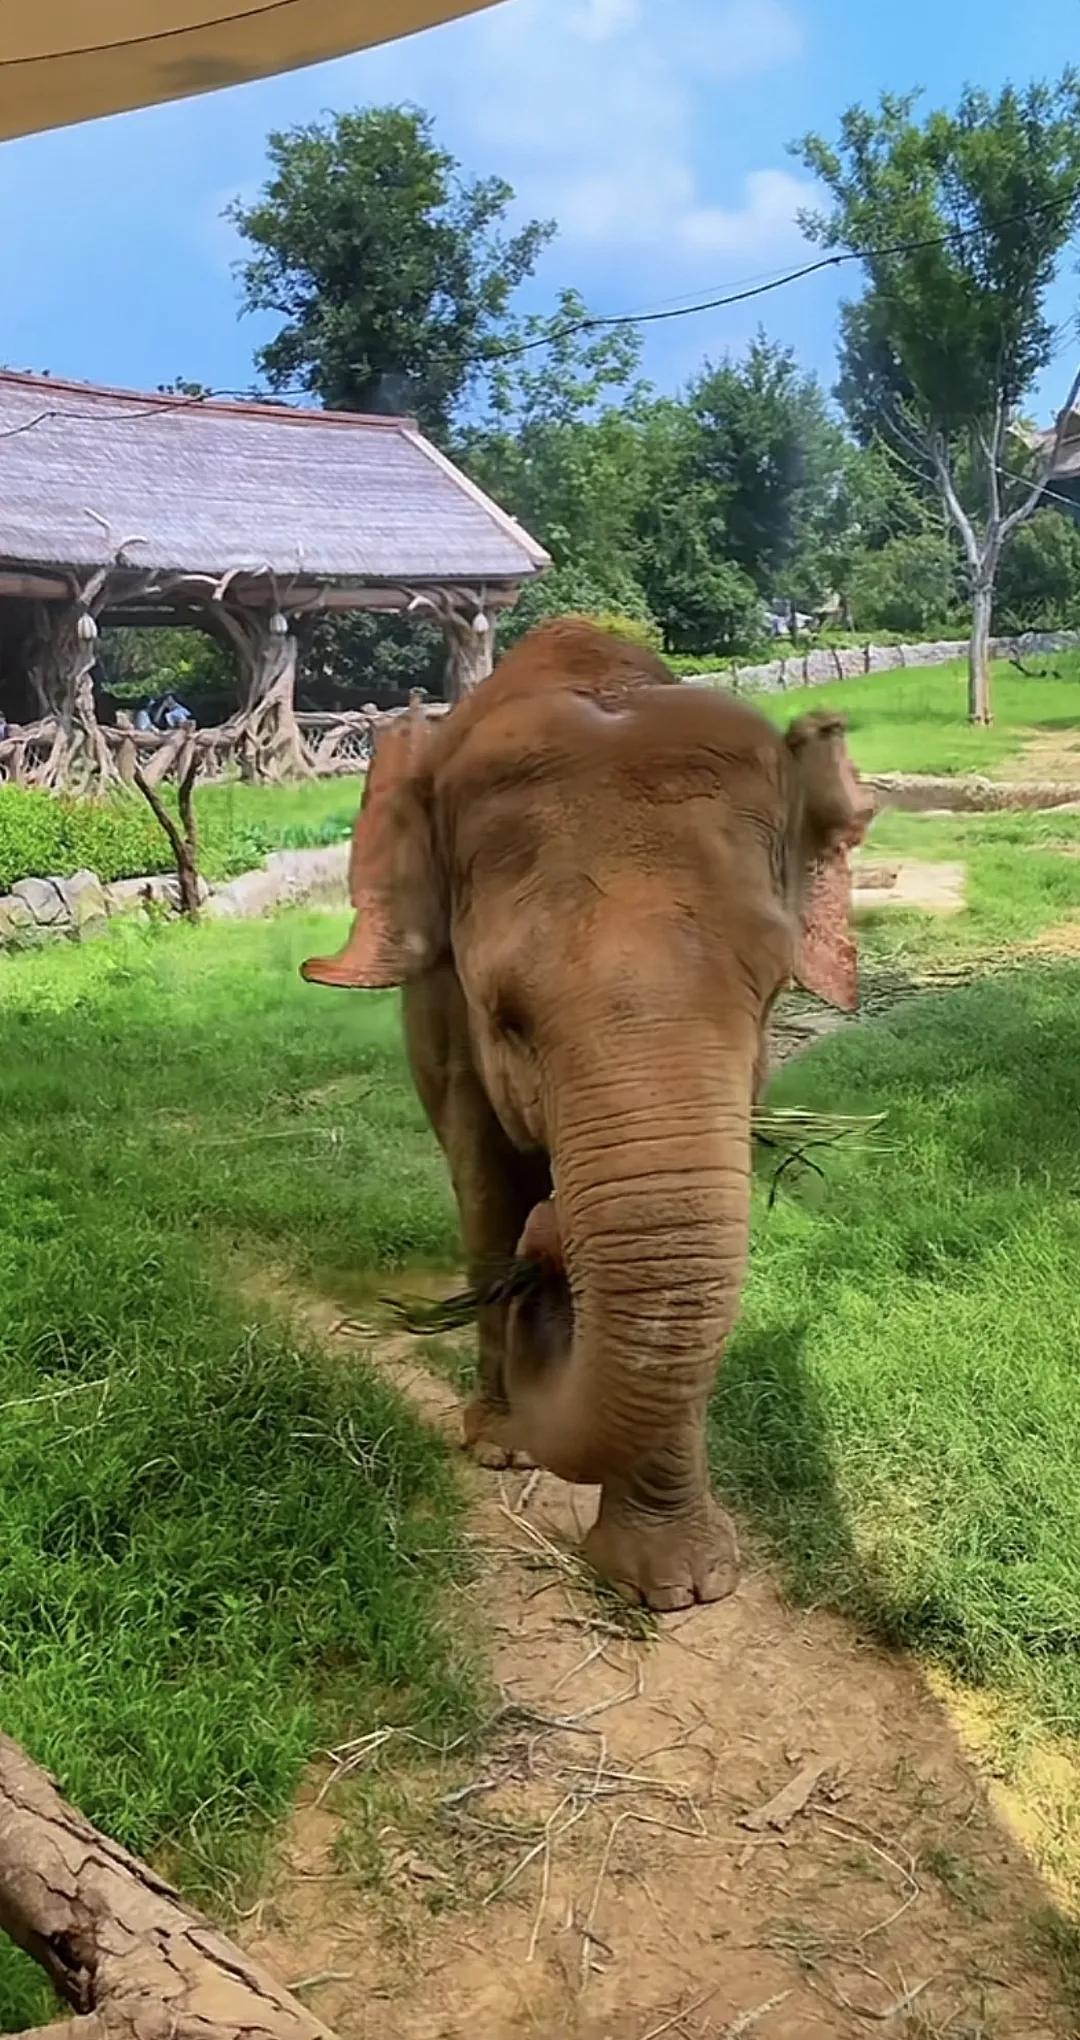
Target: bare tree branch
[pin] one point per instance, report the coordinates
(1033, 497)
(184, 847)
(943, 470)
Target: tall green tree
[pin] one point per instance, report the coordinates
(392, 274)
(557, 443)
(702, 600)
(771, 458)
(961, 219)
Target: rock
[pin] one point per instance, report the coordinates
(870, 876)
(84, 896)
(304, 874)
(43, 898)
(286, 879)
(254, 892)
(17, 924)
(930, 888)
(129, 895)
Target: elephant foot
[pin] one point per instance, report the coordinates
(487, 1435)
(666, 1561)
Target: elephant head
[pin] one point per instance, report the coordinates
(621, 873)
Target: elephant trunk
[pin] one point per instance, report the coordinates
(651, 1176)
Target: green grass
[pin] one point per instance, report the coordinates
(915, 721)
(217, 1547)
(899, 1409)
(1023, 877)
(239, 824)
(42, 836)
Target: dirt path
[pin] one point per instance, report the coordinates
(591, 1872)
(1045, 754)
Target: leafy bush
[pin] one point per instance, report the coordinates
(635, 629)
(711, 606)
(907, 586)
(689, 664)
(567, 591)
(350, 660)
(42, 836)
(1038, 585)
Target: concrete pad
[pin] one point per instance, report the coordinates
(915, 885)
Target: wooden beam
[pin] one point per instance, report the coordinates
(24, 586)
(115, 1939)
(184, 601)
(331, 600)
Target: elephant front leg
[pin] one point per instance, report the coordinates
(661, 1536)
(495, 1185)
(487, 1427)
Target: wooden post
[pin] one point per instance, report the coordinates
(270, 742)
(469, 651)
(470, 640)
(115, 1939)
(62, 659)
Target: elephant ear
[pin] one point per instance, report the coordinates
(835, 811)
(400, 925)
(826, 959)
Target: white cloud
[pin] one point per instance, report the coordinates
(599, 19)
(765, 220)
(594, 109)
(744, 38)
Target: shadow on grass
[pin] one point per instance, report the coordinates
(772, 1457)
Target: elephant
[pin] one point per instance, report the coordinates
(591, 883)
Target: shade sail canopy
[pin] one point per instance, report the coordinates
(65, 60)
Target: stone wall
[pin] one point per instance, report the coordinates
(38, 910)
(815, 669)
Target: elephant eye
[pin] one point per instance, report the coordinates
(510, 1020)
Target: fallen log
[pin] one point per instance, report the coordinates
(119, 1944)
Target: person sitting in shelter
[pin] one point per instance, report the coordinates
(171, 714)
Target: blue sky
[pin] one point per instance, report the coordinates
(655, 131)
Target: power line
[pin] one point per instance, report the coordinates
(1046, 494)
(593, 322)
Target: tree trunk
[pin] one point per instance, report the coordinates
(113, 1936)
(469, 654)
(61, 670)
(980, 705)
(183, 841)
(270, 744)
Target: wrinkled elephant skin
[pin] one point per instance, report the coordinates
(592, 883)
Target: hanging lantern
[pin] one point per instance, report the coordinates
(480, 624)
(86, 628)
(279, 625)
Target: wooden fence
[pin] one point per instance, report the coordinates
(330, 745)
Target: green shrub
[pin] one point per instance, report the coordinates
(45, 836)
(636, 629)
(1038, 583)
(568, 591)
(910, 584)
(710, 604)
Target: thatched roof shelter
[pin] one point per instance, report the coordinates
(70, 62)
(240, 518)
(322, 500)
